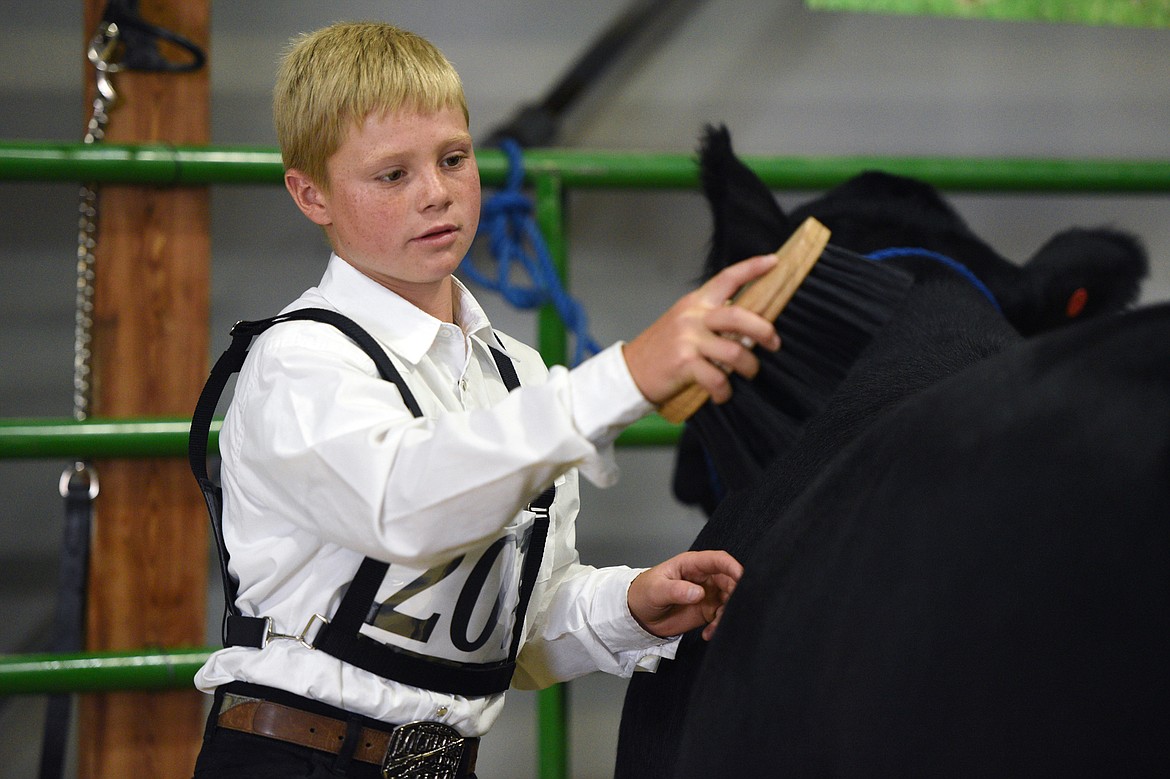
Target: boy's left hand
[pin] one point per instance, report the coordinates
(685, 592)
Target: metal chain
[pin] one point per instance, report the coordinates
(83, 316)
(79, 481)
(101, 52)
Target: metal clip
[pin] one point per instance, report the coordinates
(80, 476)
(541, 505)
(102, 47)
(102, 51)
(270, 634)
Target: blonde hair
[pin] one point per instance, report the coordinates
(332, 79)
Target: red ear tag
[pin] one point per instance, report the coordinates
(1076, 303)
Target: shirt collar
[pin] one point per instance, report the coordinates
(406, 329)
(470, 316)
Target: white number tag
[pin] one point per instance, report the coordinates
(462, 610)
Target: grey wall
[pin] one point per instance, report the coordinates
(786, 80)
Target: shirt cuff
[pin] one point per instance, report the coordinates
(616, 626)
(605, 399)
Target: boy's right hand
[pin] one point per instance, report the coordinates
(701, 338)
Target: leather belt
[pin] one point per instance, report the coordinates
(316, 731)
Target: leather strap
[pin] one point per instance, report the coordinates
(315, 731)
(79, 488)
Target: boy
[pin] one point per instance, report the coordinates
(326, 470)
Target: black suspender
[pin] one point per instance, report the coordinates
(229, 363)
(341, 636)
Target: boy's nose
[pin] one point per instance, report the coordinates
(434, 191)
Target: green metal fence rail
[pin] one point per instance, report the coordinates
(66, 438)
(161, 669)
(550, 173)
(196, 165)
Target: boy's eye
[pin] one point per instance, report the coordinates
(454, 160)
(393, 175)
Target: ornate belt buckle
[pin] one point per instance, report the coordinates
(423, 750)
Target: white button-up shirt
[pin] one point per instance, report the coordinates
(323, 465)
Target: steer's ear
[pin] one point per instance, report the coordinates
(747, 219)
(1079, 273)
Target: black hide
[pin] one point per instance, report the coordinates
(943, 327)
(978, 585)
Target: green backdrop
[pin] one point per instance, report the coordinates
(1140, 13)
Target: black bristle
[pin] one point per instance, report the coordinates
(826, 325)
(831, 318)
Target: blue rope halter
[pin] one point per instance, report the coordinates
(957, 267)
(514, 238)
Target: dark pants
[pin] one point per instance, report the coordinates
(229, 754)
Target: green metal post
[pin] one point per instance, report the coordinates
(550, 218)
(552, 740)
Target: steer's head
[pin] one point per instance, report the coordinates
(1079, 273)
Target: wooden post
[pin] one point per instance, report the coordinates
(148, 570)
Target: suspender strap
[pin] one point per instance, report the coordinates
(341, 636)
(239, 630)
(540, 507)
(506, 368)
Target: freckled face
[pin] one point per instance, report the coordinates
(403, 201)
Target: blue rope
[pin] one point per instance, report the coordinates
(513, 238)
(957, 267)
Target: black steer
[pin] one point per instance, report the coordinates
(944, 326)
(978, 585)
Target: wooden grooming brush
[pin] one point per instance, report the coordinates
(766, 296)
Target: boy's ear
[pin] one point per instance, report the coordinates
(308, 197)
